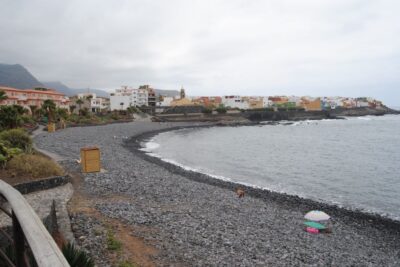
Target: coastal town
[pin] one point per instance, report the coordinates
(146, 97)
(199, 133)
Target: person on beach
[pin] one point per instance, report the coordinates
(240, 192)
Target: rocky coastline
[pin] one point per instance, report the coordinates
(278, 115)
(196, 220)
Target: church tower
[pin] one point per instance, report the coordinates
(183, 95)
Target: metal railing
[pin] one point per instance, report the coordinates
(28, 231)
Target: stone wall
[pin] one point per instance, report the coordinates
(29, 187)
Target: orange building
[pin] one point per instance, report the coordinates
(311, 105)
(208, 101)
(278, 100)
(33, 97)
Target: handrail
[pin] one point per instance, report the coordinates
(44, 249)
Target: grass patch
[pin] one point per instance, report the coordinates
(33, 166)
(126, 264)
(112, 242)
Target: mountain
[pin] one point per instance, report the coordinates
(170, 93)
(62, 88)
(17, 76)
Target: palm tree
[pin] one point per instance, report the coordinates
(72, 108)
(79, 101)
(3, 95)
(49, 107)
(33, 111)
(89, 100)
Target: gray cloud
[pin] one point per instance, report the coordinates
(310, 47)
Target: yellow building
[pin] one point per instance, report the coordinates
(255, 103)
(182, 102)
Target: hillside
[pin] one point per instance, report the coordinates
(17, 76)
(170, 93)
(62, 88)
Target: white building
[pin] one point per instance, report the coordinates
(99, 103)
(235, 101)
(126, 97)
(96, 103)
(266, 102)
(165, 102)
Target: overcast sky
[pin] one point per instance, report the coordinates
(265, 47)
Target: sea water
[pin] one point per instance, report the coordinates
(353, 163)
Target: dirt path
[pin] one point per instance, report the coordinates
(133, 249)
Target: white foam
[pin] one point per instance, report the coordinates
(150, 146)
(364, 118)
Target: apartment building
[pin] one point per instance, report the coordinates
(34, 97)
(126, 97)
(235, 101)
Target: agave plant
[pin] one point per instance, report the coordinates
(76, 257)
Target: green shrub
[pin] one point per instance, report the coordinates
(132, 110)
(17, 138)
(76, 257)
(27, 119)
(221, 110)
(9, 117)
(114, 116)
(7, 153)
(207, 110)
(34, 166)
(20, 109)
(62, 113)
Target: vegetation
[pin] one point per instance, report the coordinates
(112, 242)
(49, 109)
(221, 110)
(207, 110)
(3, 95)
(79, 102)
(34, 166)
(132, 110)
(19, 162)
(126, 264)
(76, 257)
(41, 89)
(17, 138)
(7, 153)
(10, 117)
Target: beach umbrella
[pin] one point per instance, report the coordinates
(315, 225)
(316, 215)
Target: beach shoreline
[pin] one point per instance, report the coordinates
(194, 219)
(135, 146)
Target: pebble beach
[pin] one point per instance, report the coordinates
(197, 220)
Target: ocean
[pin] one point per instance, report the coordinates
(353, 163)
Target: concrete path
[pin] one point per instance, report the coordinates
(37, 132)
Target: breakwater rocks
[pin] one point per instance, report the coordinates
(196, 220)
(270, 115)
(296, 115)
